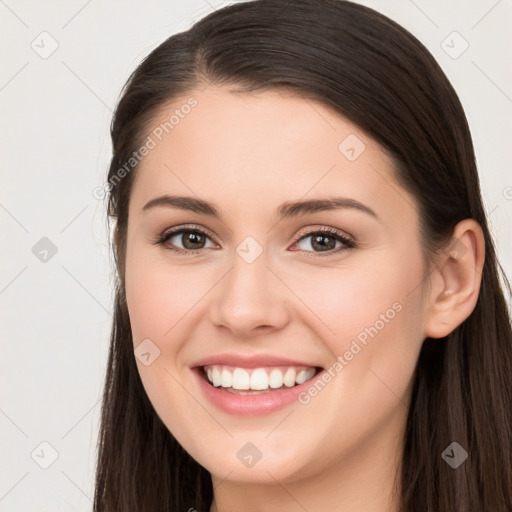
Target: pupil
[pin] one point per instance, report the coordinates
(322, 245)
(190, 239)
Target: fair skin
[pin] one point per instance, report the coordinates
(247, 154)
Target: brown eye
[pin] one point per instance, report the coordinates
(192, 240)
(325, 241)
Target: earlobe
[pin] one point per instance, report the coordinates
(458, 279)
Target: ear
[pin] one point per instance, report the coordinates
(456, 281)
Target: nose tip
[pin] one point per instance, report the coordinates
(249, 300)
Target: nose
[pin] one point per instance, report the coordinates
(250, 299)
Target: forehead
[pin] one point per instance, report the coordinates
(241, 148)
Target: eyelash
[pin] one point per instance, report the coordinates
(348, 243)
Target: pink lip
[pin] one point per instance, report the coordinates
(250, 405)
(254, 361)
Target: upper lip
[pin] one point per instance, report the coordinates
(251, 361)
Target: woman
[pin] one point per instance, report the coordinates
(308, 312)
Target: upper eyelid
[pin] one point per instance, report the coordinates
(178, 230)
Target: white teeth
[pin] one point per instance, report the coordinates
(240, 379)
(257, 379)
(289, 377)
(216, 378)
(275, 379)
(226, 379)
(302, 376)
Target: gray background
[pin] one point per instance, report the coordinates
(56, 110)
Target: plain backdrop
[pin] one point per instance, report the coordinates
(56, 272)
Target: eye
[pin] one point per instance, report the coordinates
(192, 239)
(325, 240)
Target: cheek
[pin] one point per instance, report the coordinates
(158, 299)
(159, 295)
(348, 299)
(370, 316)
(390, 336)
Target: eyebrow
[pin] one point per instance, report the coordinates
(286, 210)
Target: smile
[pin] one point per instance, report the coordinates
(247, 381)
(253, 391)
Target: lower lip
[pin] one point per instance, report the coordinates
(250, 405)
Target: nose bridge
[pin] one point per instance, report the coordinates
(249, 296)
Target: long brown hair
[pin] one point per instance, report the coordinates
(376, 74)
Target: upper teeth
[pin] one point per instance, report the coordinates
(258, 378)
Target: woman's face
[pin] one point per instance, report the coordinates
(261, 293)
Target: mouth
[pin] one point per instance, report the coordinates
(256, 381)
